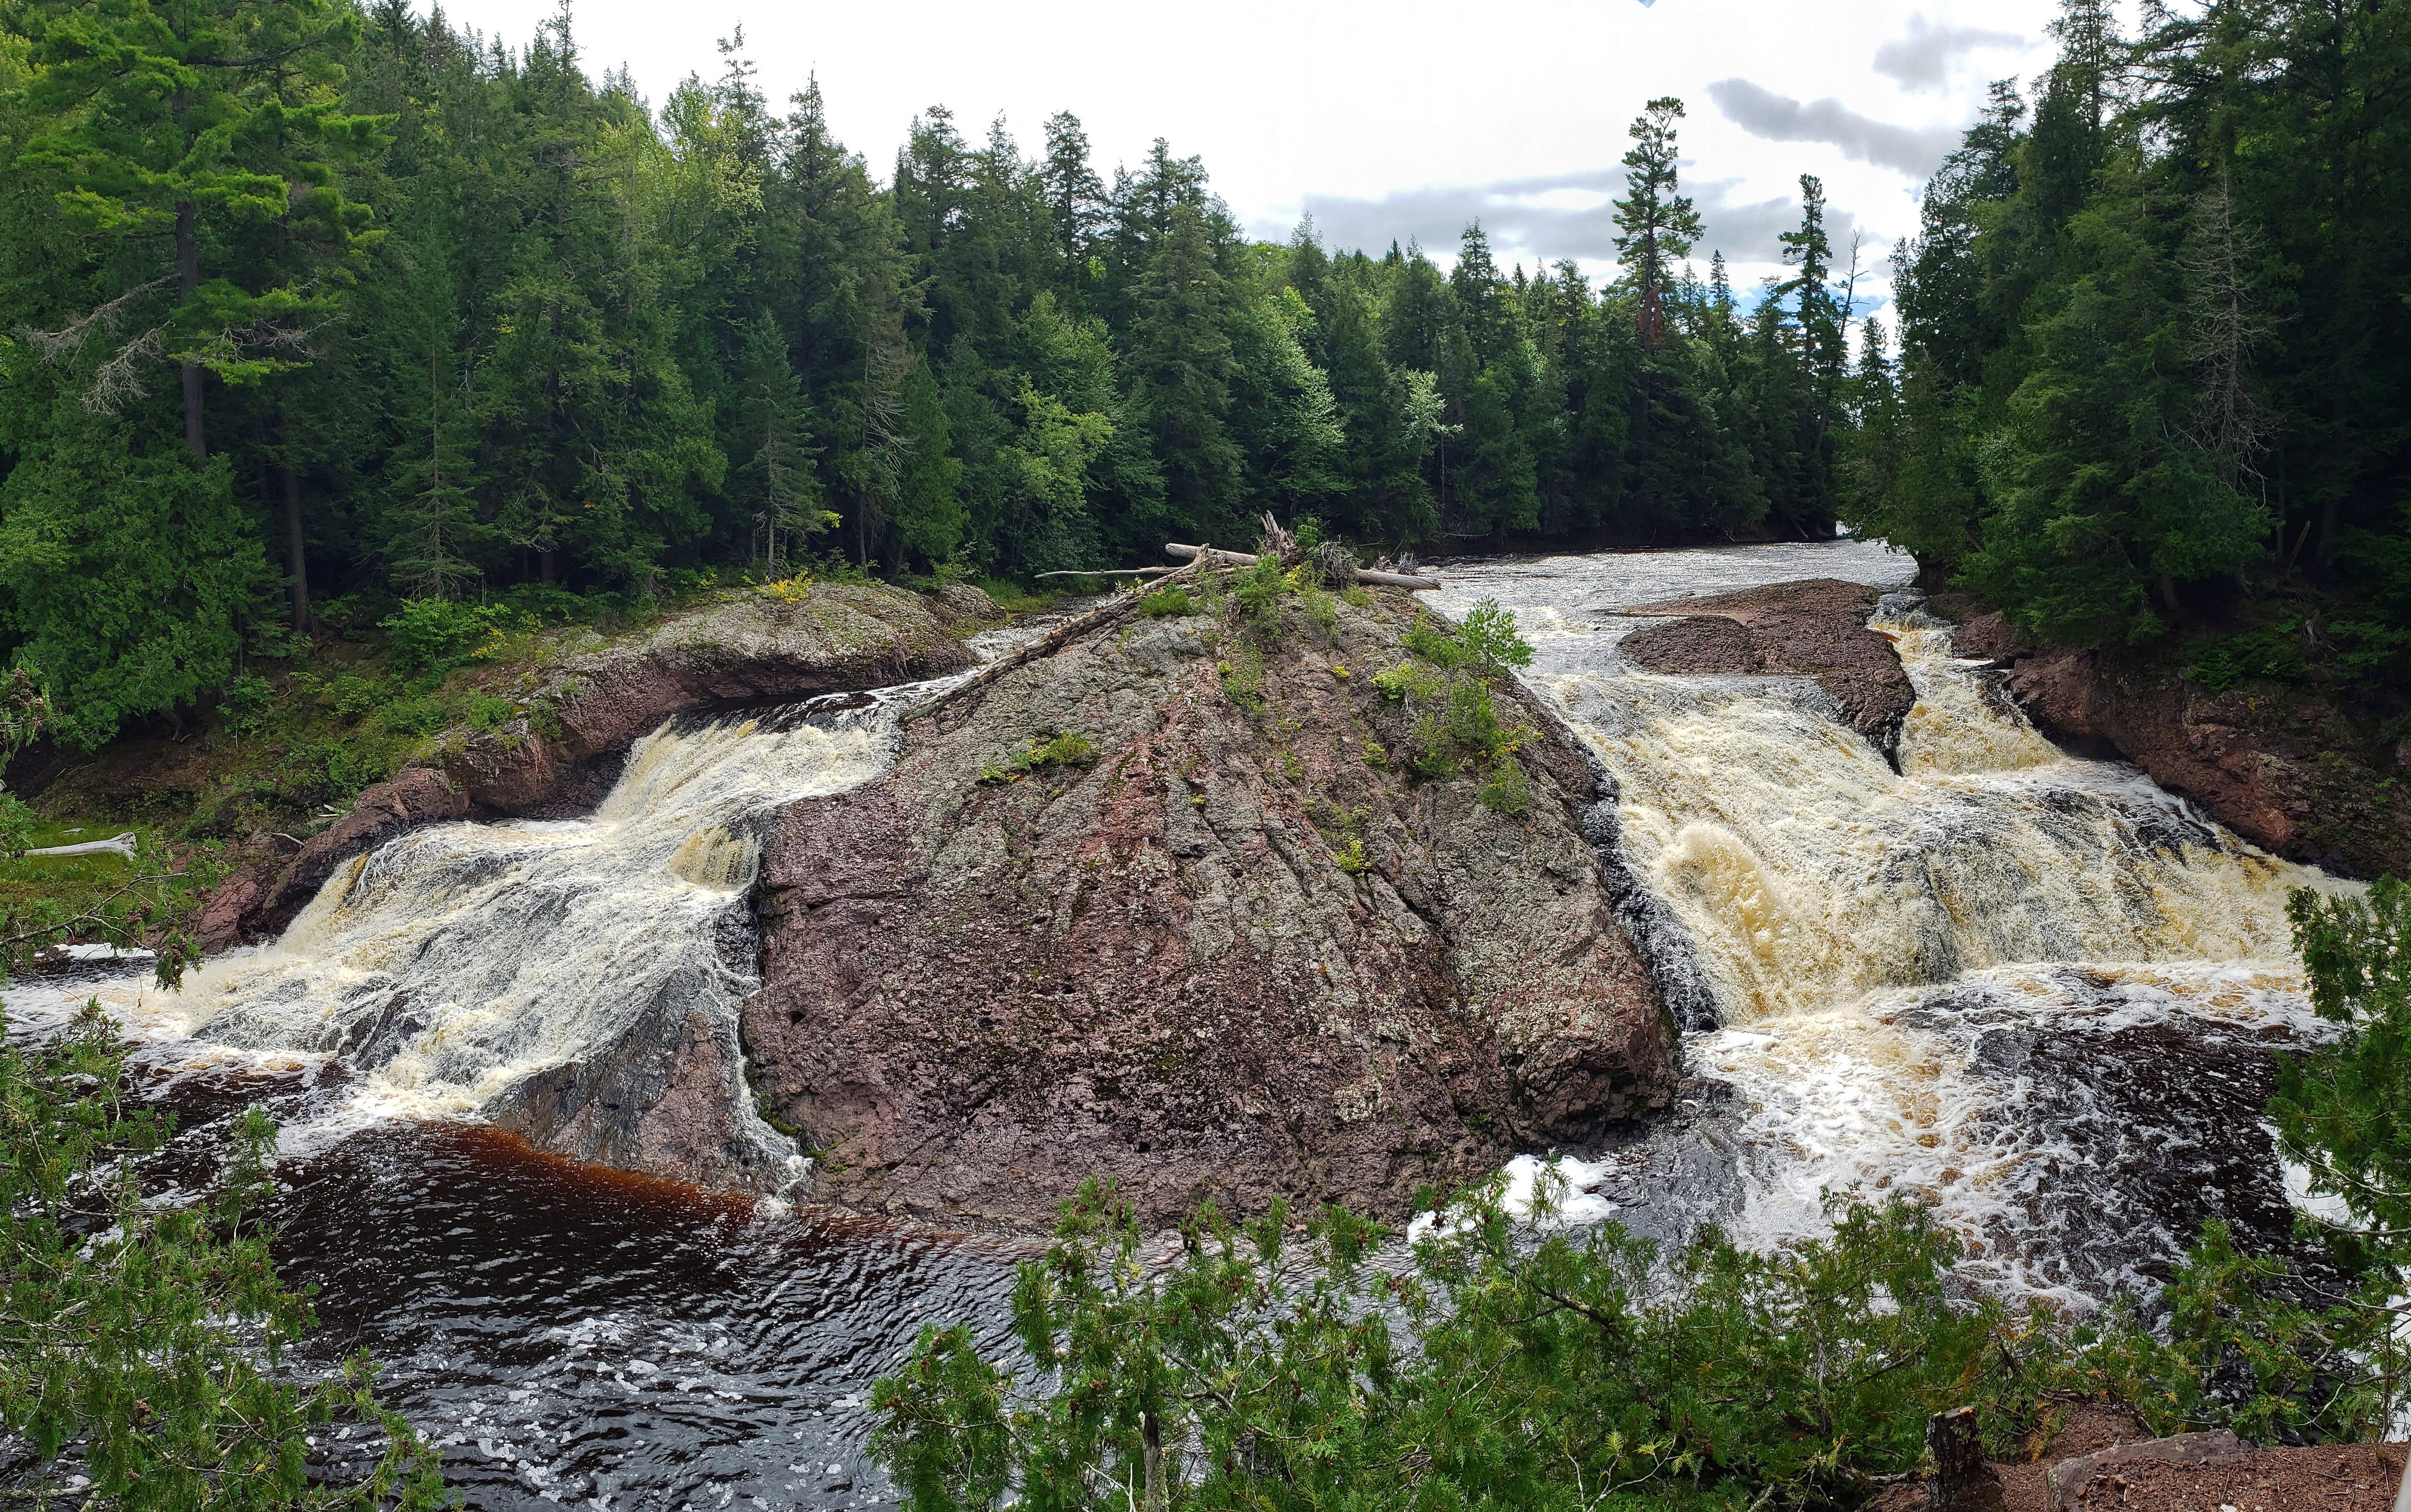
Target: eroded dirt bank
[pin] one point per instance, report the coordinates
(1231, 945)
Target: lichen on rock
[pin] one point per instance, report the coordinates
(1241, 947)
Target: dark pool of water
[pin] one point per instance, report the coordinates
(570, 1335)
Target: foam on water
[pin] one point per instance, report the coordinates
(453, 963)
(2034, 989)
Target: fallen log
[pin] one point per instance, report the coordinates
(121, 845)
(1363, 574)
(1054, 640)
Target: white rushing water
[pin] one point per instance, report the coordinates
(451, 964)
(2033, 988)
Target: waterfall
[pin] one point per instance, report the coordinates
(454, 965)
(2031, 988)
(1807, 871)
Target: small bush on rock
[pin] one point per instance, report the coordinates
(1509, 791)
(1069, 748)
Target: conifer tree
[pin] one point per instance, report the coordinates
(1655, 225)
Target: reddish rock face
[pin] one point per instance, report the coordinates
(750, 647)
(1815, 629)
(267, 892)
(2282, 767)
(1154, 965)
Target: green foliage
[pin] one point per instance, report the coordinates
(2276, 654)
(1407, 683)
(123, 578)
(1432, 643)
(435, 635)
(504, 334)
(1489, 633)
(245, 703)
(144, 1342)
(1269, 1364)
(1259, 590)
(16, 824)
(1508, 790)
(1068, 748)
(1166, 602)
(2340, 1113)
(2140, 363)
(1242, 674)
(1350, 857)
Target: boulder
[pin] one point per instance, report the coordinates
(1225, 944)
(1814, 629)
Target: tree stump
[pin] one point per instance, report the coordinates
(1963, 1480)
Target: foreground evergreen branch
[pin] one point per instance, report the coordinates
(143, 1343)
(1513, 1361)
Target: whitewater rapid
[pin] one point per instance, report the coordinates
(448, 967)
(2034, 989)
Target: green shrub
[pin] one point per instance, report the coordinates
(352, 696)
(484, 711)
(1350, 858)
(1068, 748)
(1514, 1363)
(1260, 590)
(1243, 676)
(431, 634)
(247, 701)
(1509, 791)
(1166, 602)
(1489, 633)
(1409, 684)
(550, 603)
(413, 716)
(1434, 643)
(1473, 723)
(1322, 608)
(146, 1357)
(2277, 654)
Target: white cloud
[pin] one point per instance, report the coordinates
(1921, 59)
(1358, 110)
(1762, 112)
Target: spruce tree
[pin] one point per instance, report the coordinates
(1655, 225)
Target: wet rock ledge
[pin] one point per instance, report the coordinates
(1815, 629)
(560, 756)
(1230, 949)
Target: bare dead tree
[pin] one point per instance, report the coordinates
(2225, 321)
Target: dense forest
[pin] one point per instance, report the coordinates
(2156, 354)
(306, 298)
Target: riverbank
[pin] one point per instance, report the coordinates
(2302, 764)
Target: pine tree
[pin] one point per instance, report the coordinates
(1655, 225)
(173, 136)
(784, 487)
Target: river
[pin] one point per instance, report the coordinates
(2036, 990)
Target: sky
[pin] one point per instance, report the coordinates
(1399, 120)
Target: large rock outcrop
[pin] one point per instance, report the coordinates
(1234, 948)
(1813, 628)
(561, 754)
